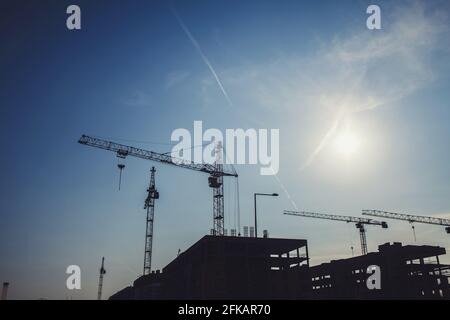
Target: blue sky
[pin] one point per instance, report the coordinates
(131, 74)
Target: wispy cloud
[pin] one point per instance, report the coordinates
(138, 99)
(378, 69)
(203, 56)
(445, 215)
(355, 72)
(175, 77)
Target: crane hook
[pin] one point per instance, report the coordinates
(121, 166)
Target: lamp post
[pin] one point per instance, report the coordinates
(256, 219)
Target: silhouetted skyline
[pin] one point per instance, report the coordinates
(133, 74)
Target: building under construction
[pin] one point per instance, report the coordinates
(230, 268)
(264, 268)
(407, 272)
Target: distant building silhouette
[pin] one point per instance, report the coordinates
(407, 272)
(5, 290)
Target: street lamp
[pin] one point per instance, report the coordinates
(261, 194)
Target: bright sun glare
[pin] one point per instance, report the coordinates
(347, 144)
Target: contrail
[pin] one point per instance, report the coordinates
(324, 140)
(284, 189)
(202, 55)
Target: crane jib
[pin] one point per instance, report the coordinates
(124, 151)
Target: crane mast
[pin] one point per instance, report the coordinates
(216, 171)
(410, 218)
(359, 223)
(100, 280)
(149, 204)
(216, 182)
(362, 237)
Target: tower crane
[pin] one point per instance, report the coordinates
(410, 218)
(216, 171)
(153, 194)
(100, 280)
(359, 222)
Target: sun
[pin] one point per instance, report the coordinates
(347, 144)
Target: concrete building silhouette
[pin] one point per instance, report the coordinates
(267, 268)
(407, 272)
(230, 268)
